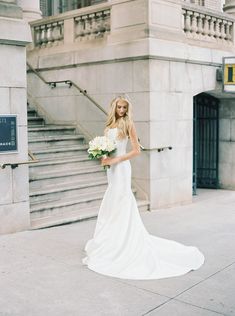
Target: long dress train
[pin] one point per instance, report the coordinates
(121, 246)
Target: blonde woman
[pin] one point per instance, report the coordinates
(121, 246)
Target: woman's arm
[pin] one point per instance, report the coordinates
(134, 152)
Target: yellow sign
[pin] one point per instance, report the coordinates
(229, 74)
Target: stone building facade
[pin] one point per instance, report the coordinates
(209, 4)
(213, 4)
(167, 62)
(53, 7)
(14, 182)
(151, 62)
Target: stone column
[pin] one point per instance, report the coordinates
(14, 193)
(31, 9)
(229, 7)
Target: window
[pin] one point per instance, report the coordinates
(53, 7)
(198, 2)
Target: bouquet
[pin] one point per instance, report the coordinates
(101, 146)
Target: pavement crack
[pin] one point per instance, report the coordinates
(157, 307)
(143, 289)
(174, 298)
(211, 275)
(207, 309)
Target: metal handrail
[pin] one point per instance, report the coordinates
(14, 165)
(155, 148)
(70, 83)
(52, 84)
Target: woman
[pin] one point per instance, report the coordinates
(121, 247)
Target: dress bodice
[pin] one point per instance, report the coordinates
(120, 143)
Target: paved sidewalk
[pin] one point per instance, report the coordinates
(41, 271)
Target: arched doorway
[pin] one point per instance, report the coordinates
(205, 142)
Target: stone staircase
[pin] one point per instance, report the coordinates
(65, 185)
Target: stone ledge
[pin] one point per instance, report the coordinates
(14, 32)
(10, 10)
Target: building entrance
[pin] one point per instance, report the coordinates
(205, 142)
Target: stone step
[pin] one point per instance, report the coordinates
(35, 121)
(53, 177)
(75, 215)
(65, 218)
(63, 206)
(66, 190)
(54, 140)
(65, 185)
(35, 118)
(71, 190)
(36, 125)
(67, 163)
(31, 112)
(51, 130)
(60, 151)
(143, 205)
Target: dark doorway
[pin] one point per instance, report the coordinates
(205, 142)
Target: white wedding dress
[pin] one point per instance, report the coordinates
(121, 246)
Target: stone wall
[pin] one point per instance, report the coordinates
(227, 144)
(14, 195)
(215, 5)
(173, 86)
(155, 59)
(102, 81)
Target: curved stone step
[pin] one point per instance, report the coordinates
(54, 140)
(65, 218)
(62, 206)
(55, 177)
(50, 127)
(76, 215)
(35, 120)
(65, 185)
(59, 151)
(66, 190)
(47, 130)
(65, 163)
(62, 173)
(31, 113)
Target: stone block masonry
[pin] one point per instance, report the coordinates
(14, 196)
(215, 5)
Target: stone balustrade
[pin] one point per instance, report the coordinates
(92, 23)
(49, 34)
(77, 25)
(201, 25)
(90, 26)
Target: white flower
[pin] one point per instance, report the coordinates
(101, 143)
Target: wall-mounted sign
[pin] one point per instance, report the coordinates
(8, 133)
(229, 74)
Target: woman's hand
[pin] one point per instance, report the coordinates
(108, 161)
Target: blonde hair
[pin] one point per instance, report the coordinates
(123, 123)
